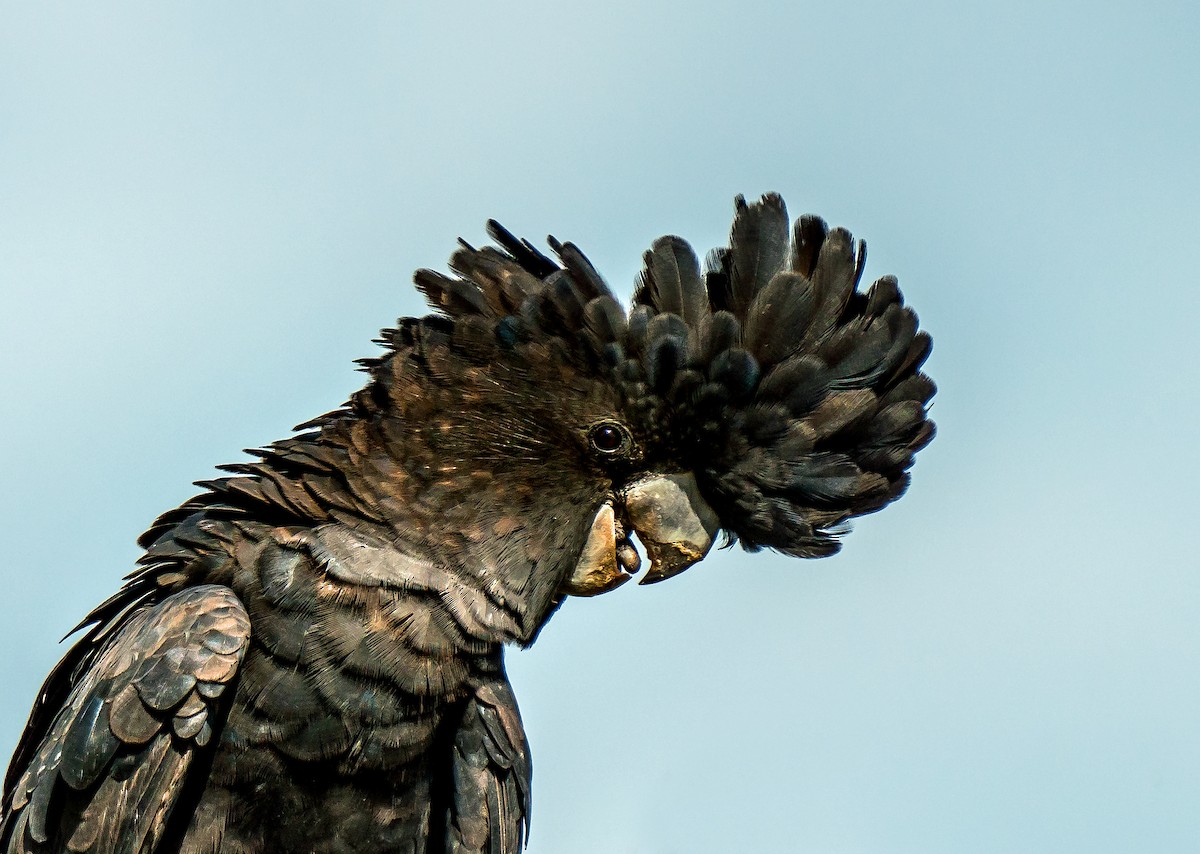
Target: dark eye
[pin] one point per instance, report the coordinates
(609, 437)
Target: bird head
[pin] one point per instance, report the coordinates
(534, 426)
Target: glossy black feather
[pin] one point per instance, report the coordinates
(758, 247)
(670, 281)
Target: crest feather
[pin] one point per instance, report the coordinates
(798, 398)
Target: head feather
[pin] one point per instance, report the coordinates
(796, 398)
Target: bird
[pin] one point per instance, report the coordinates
(309, 654)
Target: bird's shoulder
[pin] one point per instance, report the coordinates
(139, 699)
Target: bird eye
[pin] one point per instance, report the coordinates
(609, 437)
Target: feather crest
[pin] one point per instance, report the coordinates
(803, 394)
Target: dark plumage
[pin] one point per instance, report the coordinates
(309, 655)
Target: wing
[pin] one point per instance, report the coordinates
(490, 807)
(114, 760)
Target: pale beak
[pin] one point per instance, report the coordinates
(598, 570)
(673, 521)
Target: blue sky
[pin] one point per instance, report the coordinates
(209, 210)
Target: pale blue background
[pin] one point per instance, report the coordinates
(208, 209)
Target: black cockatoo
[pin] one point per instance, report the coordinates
(309, 655)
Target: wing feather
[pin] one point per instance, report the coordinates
(110, 768)
(490, 806)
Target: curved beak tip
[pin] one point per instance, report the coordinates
(673, 521)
